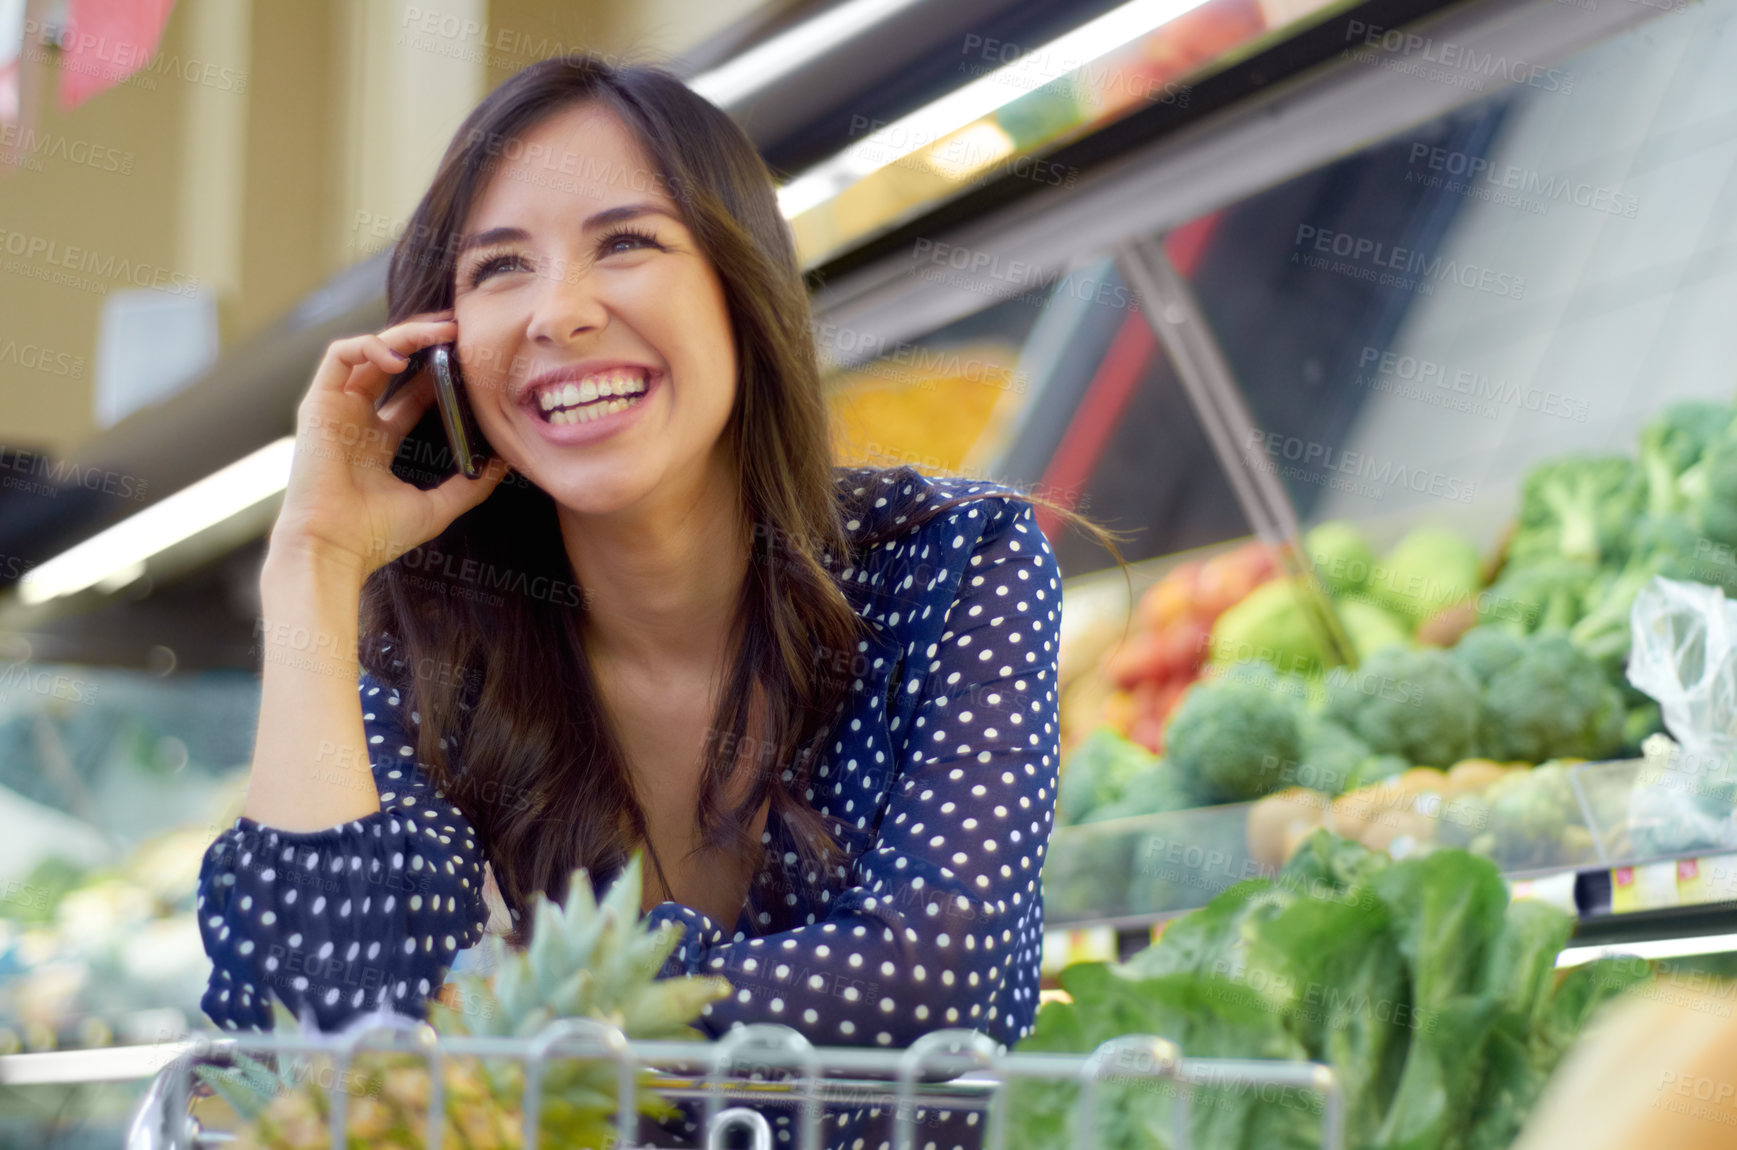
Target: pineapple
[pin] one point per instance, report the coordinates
(584, 960)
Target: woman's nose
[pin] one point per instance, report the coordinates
(568, 304)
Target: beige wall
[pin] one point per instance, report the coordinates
(268, 177)
(47, 198)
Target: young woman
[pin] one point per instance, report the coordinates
(822, 701)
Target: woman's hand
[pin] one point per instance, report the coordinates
(343, 504)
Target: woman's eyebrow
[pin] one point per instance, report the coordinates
(596, 220)
(626, 212)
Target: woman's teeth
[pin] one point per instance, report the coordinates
(593, 398)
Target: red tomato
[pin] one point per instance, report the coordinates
(1141, 657)
(1148, 731)
(1184, 646)
(1146, 698)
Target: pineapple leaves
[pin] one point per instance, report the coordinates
(587, 958)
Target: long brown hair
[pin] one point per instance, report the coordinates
(503, 678)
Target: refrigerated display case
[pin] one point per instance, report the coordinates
(1381, 294)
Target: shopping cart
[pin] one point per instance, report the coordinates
(956, 1069)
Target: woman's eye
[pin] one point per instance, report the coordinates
(491, 265)
(625, 241)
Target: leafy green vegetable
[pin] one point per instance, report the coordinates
(1371, 628)
(1331, 755)
(1157, 790)
(1098, 773)
(1327, 862)
(1539, 595)
(1086, 872)
(1419, 704)
(1553, 701)
(1448, 910)
(1330, 970)
(1517, 1060)
(1485, 650)
(1341, 555)
(1662, 545)
(1231, 736)
(1710, 488)
(1211, 937)
(1578, 507)
(1528, 811)
(1432, 996)
(1269, 626)
(1672, 442)
(1429, 570)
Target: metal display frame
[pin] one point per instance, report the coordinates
(976, 1074)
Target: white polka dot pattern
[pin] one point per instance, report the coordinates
(353, 918)
(939, 785)
(941, 920)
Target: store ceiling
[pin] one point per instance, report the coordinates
(248, 398)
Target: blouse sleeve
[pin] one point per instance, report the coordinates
(364, 915)
(942, 922)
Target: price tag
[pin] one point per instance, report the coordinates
(1645, 887)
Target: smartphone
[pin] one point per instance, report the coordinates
(469, 452)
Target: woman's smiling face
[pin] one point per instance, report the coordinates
(594, 335)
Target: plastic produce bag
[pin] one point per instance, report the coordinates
(1684, 655)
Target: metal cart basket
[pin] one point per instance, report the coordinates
(761, 1064)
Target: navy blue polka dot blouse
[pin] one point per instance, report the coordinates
(939, 785)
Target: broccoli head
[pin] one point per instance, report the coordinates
(1419, 704)
(1098, 772)
(1231, 736)
(1331, 755)
(1159, 789)
(1326, 861)
(1554, 701)
(1528, 811)
(1672, 442)
(1086, 872)
(1710, 489)
(1663, 545)
(1578, 507)
(1485, 650)
(1543, 595)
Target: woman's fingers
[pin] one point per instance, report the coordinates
(456, 494)
(363, 364)
(404, 410)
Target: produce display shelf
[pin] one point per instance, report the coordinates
(1697, 916)
(1110, 885)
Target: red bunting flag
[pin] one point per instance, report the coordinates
(11, 59)
(107, 41)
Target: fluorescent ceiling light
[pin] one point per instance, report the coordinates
(935, 121)
(739, 78)
(114, 557)
(1655, 948)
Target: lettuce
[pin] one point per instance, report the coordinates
(1434, 998)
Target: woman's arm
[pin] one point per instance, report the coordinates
(353, 917)
(310, 763)
(943, 923)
